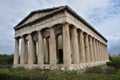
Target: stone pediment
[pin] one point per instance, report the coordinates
(36, 15)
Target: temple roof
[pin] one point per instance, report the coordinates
(50, 11)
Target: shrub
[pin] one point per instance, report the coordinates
(115, 64)
(6, 59)
(110, 70)
(95, 69)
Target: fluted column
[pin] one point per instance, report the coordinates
(97, 50)
(87, 48)
(91, 49)
(31, 55)
(102, 52)
(16, 54)
(75, 48)
(66, 45)
(82, 48)
(107, 55)
(53, 59)
(40, 49)
(94, 44)
(46, 50)
(26, 52)
(105, 52)
(22, 55)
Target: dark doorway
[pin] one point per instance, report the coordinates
(60, 56)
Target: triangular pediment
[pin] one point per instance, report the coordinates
(36, 15)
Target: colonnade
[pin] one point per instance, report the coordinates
(41, 47)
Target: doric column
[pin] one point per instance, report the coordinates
(87, 51)
(75, 48)
(31, 55)
(66, 45)
(97, 50)
(40, 49)
(16, 54)
(96, 54)
(91, 49)
(107, 55)
(82, 48)
(22, 55)
(46, 50)
(102, 52)
(26, 52)
(94, 44)
(53, 59)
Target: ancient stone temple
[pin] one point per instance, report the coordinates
(58, 38)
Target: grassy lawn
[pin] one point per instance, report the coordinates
(24, 74)
(102, 72)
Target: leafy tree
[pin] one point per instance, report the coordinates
(6, 59)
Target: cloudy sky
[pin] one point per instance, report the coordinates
(103, 15)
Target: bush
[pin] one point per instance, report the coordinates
(115, 64)
(6, 59)
(110, 70)
(95, 69)
(5, 66)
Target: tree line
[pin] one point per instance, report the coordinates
(6, 59)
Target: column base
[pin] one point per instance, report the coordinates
(61, 67)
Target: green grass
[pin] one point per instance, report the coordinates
(116, 59)
(24, 74)
(7, 73)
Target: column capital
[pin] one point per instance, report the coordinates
(65, 23)
(52, 33)
(17, 37)
(85, 34)
(90, 36)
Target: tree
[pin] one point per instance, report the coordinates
(6, 59)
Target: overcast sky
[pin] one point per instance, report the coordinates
(103, 15)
